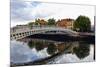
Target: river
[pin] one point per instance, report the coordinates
(34, 50)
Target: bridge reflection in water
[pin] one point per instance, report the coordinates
(49, 51)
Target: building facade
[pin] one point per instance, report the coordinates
(65, 23)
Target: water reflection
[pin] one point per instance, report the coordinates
(47, 48)
(82, 50)
(31, 44)
(21, 53)
(51, 49)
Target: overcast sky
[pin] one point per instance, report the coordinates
(23, 12)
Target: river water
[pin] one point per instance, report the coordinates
(31, 49)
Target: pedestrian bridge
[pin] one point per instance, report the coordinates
(21, 33)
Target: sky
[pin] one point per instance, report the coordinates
(23, 12)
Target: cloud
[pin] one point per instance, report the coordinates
(25, 11)
(21, 11)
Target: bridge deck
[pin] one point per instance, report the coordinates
(20, 33)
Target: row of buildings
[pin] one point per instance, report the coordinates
(64, 23)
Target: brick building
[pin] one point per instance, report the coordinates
(65, 23)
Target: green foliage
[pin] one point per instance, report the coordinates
(82, 51)
(36, 44)
(51, 21)
(37, 21)
(82, 24)
(31, 44)
(30, 24)
(39, 45)
(51, 49)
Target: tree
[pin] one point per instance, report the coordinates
(31, 44)
(37, 21)
(83, 50)
(82, 24)
(51, 49)
(30, 24)
(51, 21)
(39, 45)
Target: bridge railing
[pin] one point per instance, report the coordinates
(26, 29)
(18, 33)
(13, 30)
